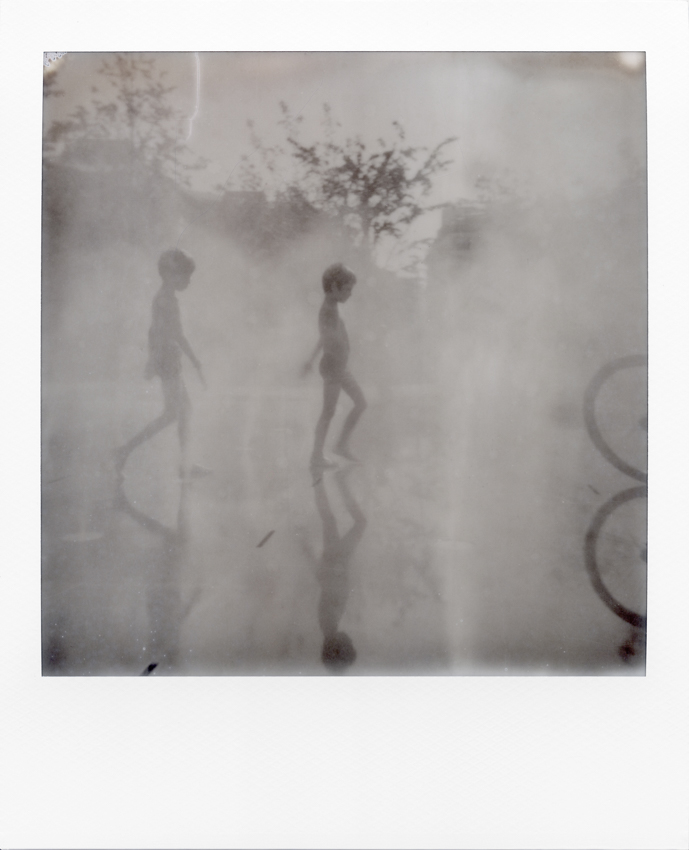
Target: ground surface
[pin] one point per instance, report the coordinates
(470, 559)
(478, 484)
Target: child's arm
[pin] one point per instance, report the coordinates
(327, 325)
(196, 363)
(173, 330)
(306, 368)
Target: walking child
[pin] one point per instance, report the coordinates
(338, 283)
(166, 344)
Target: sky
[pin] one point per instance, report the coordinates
(556, 121)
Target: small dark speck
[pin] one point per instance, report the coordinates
(266, 539)
(594, 490)
(149, 669)
(626, 651)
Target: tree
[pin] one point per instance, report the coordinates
(138, 113)
(373, 193)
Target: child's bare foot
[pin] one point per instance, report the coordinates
(344, 452)
(317, 467)
(321, 463)
(193, 472)
(344, 471)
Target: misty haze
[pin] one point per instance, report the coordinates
(476, 505)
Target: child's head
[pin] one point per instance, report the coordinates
(337, 277)
(176, 267)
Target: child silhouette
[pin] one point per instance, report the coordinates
(166, 344)
(338, 283)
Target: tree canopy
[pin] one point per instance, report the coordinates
(135, 109)
(373, 191)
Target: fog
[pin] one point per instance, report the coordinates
(458, 544)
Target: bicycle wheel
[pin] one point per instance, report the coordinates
(591, 545)
(601, 379)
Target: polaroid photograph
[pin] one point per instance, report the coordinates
(344, 364)
(348, 360)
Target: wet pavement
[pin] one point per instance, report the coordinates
(436, 555)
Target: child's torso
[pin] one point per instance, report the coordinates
(333, 333)
(164, 333)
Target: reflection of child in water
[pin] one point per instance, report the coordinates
(166, 344)
(338, 282)
(167, 611)
(333, 574)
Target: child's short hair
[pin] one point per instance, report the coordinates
(174, 260)
(337, 275)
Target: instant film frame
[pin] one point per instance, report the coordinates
(564, 704)
(493, 208)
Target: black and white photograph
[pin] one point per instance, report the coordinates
(344, 363)
(345, 377)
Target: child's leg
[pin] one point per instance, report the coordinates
(331, 392)
(183, 406)
(330, 534)
(167, 417)
(353, 390)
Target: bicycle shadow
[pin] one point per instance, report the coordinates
(635, 644)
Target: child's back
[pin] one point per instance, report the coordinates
(164, 352)
(334, 339)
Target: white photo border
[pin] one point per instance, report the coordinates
(482, 762)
